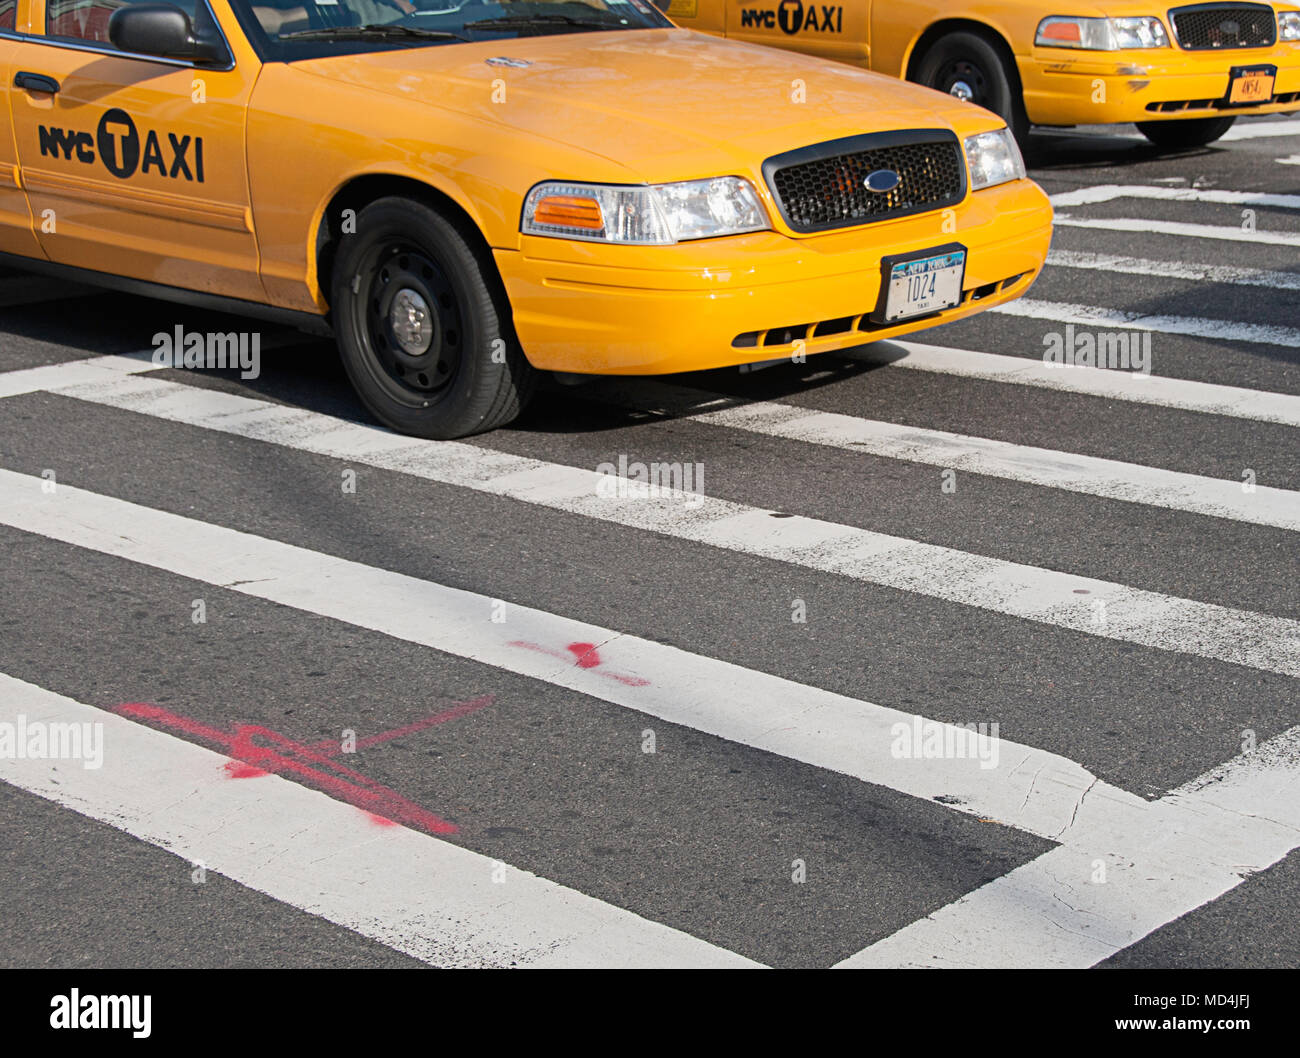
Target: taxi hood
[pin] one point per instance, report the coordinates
(669, 104)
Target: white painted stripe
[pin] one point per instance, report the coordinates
(1199, 327)
(109, 367)
(73, 372)
(1201, 273)
(1224, 233)
(1292, 160)
(1092, 476)
(1161, 391)
(32, 290)
(1030, 789)
(1161, 859)
(1088, 196)
(416, 894)
(1059, 599)
(1254, 130)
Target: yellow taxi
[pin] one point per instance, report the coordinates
(1183, 74)
(465, 193)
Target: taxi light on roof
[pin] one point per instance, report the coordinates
(569, 211)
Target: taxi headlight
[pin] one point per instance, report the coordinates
(1288, 25)
(993, 158)
(1101, 34)
(646, 214)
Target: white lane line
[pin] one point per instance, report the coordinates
(1194, 326)
(1089, 196)
(1222, 232)
(1090, 475)
(1161, 391)
(1293, 159)
(1254, 130)
(1201, 273)
(1061, 600)
(1161, 860)
(417, 894)
(73, 372)
(1030, 789)
(109, 367)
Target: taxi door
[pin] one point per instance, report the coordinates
(834, 31)
(135, 165)
(15, 218)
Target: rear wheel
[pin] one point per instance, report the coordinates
(970, 67)
(1194, 132)
(423, 324)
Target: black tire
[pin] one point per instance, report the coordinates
(1192, 132)
(456, 369)
(964, 61)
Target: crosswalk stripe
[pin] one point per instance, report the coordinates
(1092, 476)
(1253, 130)
(1160, 859)
(92, 370)
(1088, 196)
(1200, 273)
(1030, 789)
(1162, 391)
(109, 367)
(1063, 600)
(1222, 232)
(1195, 326)
(416, 894)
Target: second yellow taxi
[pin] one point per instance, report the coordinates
(1183, 74)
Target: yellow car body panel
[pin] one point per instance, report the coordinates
(1060, 86)
(281, 140)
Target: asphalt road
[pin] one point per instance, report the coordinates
(508, 652)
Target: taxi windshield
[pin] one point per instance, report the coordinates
(297, 29)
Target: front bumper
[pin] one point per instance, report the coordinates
(588, 308)
(1063, 86)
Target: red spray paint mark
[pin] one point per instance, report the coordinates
(583, 655)
(586, 654)
(257, 750)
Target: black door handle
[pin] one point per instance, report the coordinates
(35, 82)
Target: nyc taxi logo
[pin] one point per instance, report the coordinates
(793, 16)
(117, 142)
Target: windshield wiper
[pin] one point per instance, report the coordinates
(543, 21)
(371, 32)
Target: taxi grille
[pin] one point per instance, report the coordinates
(824, 186)
(1208, 27)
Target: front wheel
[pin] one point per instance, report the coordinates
(1194, 132)
(969, 67)
(423, 324)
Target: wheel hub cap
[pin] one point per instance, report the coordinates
(411, 322)
(962, 91)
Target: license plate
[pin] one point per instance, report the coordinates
(1254, 86)
(924, 284)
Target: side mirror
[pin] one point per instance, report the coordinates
(163, 30)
